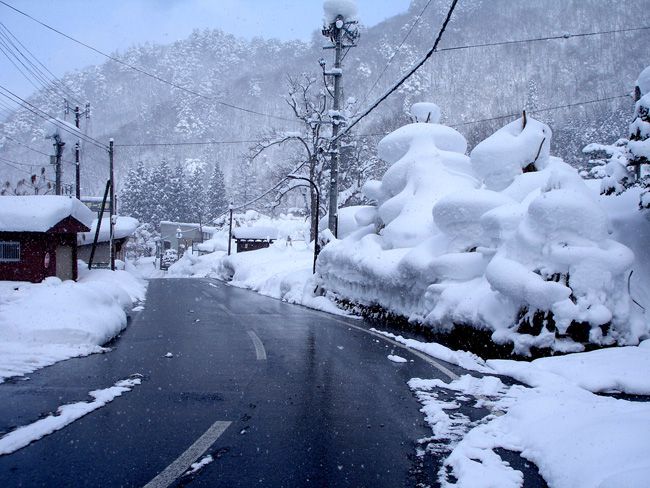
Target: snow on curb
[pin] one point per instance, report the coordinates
(43, 323)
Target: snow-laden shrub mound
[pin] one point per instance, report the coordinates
(428, 161)
(529, 257)
(510, 151)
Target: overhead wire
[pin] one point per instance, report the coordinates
(405, 77)
(29, 71)
(145, 72)
(538, 39)
(49, 118)
(52, 78)
(13, 164)
(500, 43)
(390, 60)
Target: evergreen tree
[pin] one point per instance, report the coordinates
(216, 198)
(639, 145)
(179, 206)
(161, 195)
(197, 195)
(134, 199)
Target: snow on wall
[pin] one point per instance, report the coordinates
(440, 249)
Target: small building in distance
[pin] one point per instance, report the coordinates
(253, 238)
(38, 236)
(124, 228)
(181, 236)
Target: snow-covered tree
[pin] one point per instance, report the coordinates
(196, 189)
(143, 241)
(216, 200)
(135, 197)
(639, 145)
(620, 165)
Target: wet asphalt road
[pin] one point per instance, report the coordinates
(324, 408)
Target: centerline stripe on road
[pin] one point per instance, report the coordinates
(172, 472)
(260, 352)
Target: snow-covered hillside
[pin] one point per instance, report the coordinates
(136, 109)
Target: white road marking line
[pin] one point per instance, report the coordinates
(450, 374)
(176, 469)
(260, 352)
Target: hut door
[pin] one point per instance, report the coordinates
(64, 262)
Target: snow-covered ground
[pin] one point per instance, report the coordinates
(541, 239)
(43, 323)
(555, 419)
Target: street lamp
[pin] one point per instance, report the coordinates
(179, 236)
(314, 215)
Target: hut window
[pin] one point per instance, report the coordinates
(9, 252)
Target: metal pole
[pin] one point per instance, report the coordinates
(335, 149)
(314, 215)
(230, 230)
(111, 203)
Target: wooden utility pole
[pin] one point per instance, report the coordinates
(77, 122)
(111, 203)
(58, 152)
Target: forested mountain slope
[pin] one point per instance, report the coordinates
(469, 84)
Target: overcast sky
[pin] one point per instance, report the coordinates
(117, 24)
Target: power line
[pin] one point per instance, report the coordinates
(12, 164)
(30, 67)
(54, 80)
(406, 76)
(390, 60)
(537, 39)
(193, 143)
(143, 71)
(49, 118)
(502, 43)
(26, 145)
(545, 109)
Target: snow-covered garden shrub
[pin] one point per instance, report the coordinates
(509, 240)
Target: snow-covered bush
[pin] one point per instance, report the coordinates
(621, 165)
(508, 240)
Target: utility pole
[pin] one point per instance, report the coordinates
(77, 121)
(111, 205)
(343, 34)
(77, 171)
(58, 151)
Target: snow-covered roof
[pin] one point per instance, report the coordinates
(39, 213)
(124, 227)
(256, 232)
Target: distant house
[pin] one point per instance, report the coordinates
(123, 229)
(183, 235)
(253, 238)
(38, 236)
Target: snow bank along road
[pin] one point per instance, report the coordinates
(251, 391)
